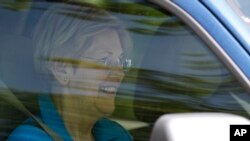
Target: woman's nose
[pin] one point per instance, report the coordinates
(116, 74)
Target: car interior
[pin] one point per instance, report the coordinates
(172, 72)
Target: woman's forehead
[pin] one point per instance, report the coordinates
(105, 42)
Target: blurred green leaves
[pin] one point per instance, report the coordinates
(16, 5)
(147, 18)
(129, 8)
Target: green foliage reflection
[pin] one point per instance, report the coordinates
(16, 5)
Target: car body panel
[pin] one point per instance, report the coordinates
(231, 20)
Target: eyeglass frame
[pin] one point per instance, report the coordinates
(125, 64)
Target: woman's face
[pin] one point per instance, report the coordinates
(99, 85)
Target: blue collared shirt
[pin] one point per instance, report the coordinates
(103, 130)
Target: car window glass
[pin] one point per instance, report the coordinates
(157, 64)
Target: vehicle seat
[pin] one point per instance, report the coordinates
(17, 72)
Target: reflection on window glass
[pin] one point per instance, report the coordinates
(103, 71)
(241, 8)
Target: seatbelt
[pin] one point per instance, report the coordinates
(9, 97)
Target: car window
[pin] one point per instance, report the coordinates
(110, 67)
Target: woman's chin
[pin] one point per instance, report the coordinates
(105, 107)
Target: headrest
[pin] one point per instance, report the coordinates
(16, 62)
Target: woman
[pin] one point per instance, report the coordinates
(80, 51)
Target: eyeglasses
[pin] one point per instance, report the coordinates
(110, 62)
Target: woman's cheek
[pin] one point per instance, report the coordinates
(105, 105)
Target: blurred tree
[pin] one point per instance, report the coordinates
(16, 4)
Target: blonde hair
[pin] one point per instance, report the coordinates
(66, 29)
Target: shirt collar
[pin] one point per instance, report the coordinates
(51, 117)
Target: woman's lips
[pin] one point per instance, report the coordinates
(110, 86)
(108, 90)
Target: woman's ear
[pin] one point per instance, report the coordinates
(62, 72)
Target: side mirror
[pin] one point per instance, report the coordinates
(195, 127)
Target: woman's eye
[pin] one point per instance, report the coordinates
(104, 60)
